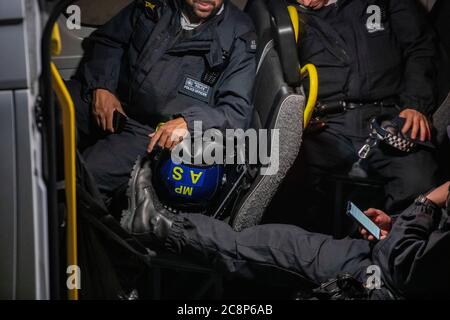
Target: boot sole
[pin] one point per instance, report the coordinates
(128, 215)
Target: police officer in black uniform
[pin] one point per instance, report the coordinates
(172, 62)
(410, 260)
(374, 57)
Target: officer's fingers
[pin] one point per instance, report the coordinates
(408, 123)
(109, 120)
(378, 219)
(169, 142)
(318, 4)
(371, 212)
(102, 121)
(423, 130)
(178, 134)
(364, 233)
(153, 141)
(173, 136)
(173, 145)
(97, 119)
(415, 128)
(370, 237)
(163, 139)
(176, 141)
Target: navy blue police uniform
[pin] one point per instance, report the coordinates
(160, 71)
(375, 56)
(411, 262)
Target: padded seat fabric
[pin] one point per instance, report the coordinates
(277, 105)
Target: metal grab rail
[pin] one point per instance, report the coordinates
(307, 70)
(311, 71)
(68, 114)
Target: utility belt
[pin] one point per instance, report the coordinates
(336, 107)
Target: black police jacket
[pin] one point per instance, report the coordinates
(160, 71)
(371, 50)
(415, 257)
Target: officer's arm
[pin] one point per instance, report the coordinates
(232, 108)
(417, 41)
(414, 258)
(102, 65)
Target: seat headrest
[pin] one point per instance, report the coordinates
(272, 22)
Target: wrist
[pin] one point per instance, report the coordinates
(428, 205)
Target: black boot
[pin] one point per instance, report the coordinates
(145, 216)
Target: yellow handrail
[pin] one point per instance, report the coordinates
(68, 113)
(56, 46)
(294, 20)
(308, 69)
(311, 71)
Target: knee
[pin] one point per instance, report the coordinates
(102, 173)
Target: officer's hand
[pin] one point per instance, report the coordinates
(103, 108)
(440, 195)
(418, 122)
(169, 134)
(381, 219)
(313, 4)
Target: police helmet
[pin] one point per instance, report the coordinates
(186, 186)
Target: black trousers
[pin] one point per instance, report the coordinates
(334, 150)
(109, 157)
(277, 254)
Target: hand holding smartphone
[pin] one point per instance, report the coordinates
(354, 212)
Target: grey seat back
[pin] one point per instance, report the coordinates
(277, 106)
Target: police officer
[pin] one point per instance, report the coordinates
(411, 257)
(374, 57)
(171, 62)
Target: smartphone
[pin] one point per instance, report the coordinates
(119, 121)
(363, 220)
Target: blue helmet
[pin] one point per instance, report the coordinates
(186, 187)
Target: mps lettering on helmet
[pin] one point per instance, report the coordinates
(185, 179)
(186, 176)
(179, 182)
(183, 190)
